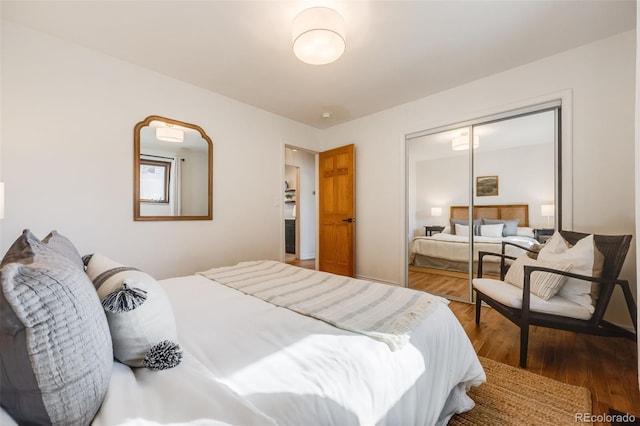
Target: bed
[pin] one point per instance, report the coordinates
(246, 361)
(447, 250)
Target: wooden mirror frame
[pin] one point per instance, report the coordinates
(136, 170)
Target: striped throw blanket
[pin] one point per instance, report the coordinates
(380, 311)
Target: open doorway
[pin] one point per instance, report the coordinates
(300, 207)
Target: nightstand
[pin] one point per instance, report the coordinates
(429, 230)
(543, 234)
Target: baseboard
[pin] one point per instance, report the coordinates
(376, 280)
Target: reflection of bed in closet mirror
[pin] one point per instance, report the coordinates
(517, 152)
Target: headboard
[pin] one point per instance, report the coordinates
(498, 211)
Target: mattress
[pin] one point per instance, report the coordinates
(248, 362)
(455, 248)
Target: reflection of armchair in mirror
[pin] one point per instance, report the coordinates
(173, 169)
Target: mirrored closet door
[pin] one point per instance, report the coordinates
(438, 178)
(472, 186)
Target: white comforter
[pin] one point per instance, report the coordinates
(456, 247)
(247, 362)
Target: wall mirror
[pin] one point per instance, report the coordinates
(491, 171)
(172, 169)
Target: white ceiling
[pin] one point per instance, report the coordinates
(397, 51)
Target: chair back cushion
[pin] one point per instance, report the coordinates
(543, 284)
(586, 260)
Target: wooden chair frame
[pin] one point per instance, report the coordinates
(614, 249)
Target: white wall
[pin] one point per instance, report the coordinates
(601, 78)
(67, 158)
(193, 189)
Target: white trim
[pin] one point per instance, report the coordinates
(278, 203)
(375, 280)
(637, 178)
(404, 237)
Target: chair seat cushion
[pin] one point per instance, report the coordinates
(511, 296)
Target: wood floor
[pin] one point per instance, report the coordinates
(608, 367)
(444, 283)
(307, 263)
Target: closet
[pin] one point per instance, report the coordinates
(475, 183)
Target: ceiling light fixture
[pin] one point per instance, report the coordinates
(461, 143)
(169, 134)
(318, 35)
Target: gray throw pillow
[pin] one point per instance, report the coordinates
(55, 348)
(510, 225)
(65, 247)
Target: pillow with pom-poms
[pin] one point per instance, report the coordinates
(143, 329)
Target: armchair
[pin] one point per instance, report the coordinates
(523, 308)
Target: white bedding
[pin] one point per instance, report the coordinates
(455, 248)
(249, 362)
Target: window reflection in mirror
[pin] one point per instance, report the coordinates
(514, 173)
(155, 179)
(172, 171)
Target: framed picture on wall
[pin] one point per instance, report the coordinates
(486, 186)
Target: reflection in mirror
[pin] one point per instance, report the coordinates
(513, 177)
(438, 178)
(173, 164)
(154, 181)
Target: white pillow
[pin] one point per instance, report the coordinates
(524, 231)
(139, 313)
(462, 230)
(586, 260)
(494, 231)
(543, 284)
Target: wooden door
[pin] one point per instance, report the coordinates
(337, 211)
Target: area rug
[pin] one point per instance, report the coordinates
(513, 396)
